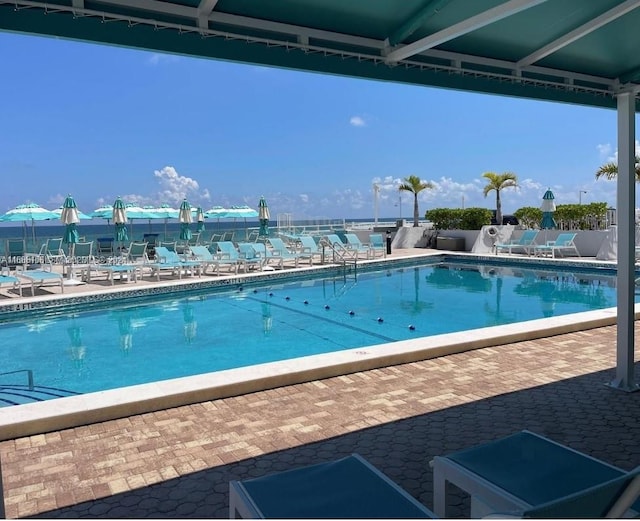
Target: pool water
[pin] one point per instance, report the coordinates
(123, 345)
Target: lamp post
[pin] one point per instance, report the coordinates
(580, 195)
(376, 192)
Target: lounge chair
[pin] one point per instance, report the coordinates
(41, 277)
(137, 253)
(528, 475)
(346, 488)
(309, 246)
(167, 260)
(16, 253)
(205, 258)
(563, 242)
(89, 265)
(356, 245)
(252, 254)
(526, 242)
(230, 255)
(104, 246)
(7, 278)
(283, 254)
(53, 252)
(81, 259)
(377, 243)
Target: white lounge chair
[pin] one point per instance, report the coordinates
(7, 278)
(346, 488)
(41, 277)
(526, 242)
(528, 475)
(563, 243)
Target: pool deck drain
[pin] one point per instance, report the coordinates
(177, 462)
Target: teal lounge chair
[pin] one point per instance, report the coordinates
(563, 243)
(170, 261)
(137, 253)
(7, 278)
(346, 488)
(205, 258)
(252, 254)
(356, 245)
(229, 254)
(283, 254)
(41, 277)
(527, 475)
(309, 246)
(526, 242)
(377, 243)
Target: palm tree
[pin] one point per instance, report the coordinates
(414, 185)
(610, 170)
(499, 182)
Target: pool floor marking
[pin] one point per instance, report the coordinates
(326, 319)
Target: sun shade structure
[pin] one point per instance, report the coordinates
(575, 51)
(587, 55)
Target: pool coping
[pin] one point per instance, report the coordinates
(73, 411)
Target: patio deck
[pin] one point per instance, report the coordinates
(178, 462)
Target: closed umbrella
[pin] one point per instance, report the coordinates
(70, 218)
(548, 208)
(199, 220)
(119, 216)
(185, 220)
(263, 216)
(28, 212)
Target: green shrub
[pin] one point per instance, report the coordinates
(458, 218)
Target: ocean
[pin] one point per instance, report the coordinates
(40, 231)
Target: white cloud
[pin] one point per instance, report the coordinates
(357, 121)
(304, 198)
(159, 59)
(608, 154)
(175, 187)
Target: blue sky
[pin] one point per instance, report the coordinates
(99, 121)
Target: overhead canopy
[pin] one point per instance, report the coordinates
(571, 50)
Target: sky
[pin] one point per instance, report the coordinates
(98, 122)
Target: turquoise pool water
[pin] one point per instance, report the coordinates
(200, 332)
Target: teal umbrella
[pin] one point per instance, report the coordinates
(199, 220)
(185, 220)
(28, 212)
(548, 208)
(119, 216)
(70, 218)
(263, 216)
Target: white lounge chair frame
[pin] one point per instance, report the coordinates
(241, 500)
(488, 498)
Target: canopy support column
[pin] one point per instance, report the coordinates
(626, 199)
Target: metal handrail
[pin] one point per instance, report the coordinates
(29, 376)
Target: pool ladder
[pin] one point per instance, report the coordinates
(17, 394)
(340, 254)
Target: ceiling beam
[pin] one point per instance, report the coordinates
(579, 32)
(155, 6)
(205, 9)
(466, 26)
(431, 8)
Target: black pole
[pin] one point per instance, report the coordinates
(388, 242)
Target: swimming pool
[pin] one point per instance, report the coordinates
(117, 345)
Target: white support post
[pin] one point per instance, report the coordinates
(626, 244)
